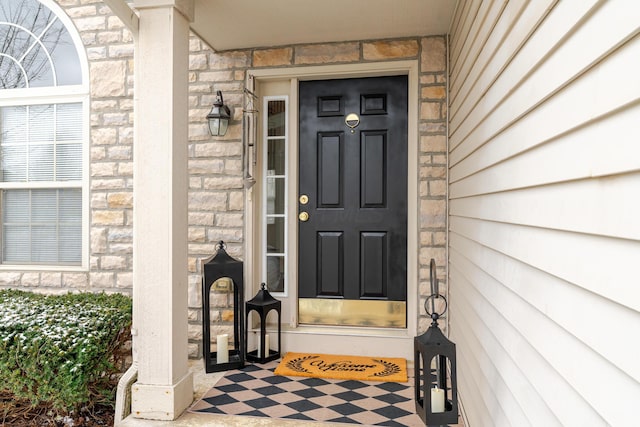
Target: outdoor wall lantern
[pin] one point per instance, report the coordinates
(262, 304)
(218, 117)
(222, 272)
(436, 398)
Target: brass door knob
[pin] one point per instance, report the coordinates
(303, 216)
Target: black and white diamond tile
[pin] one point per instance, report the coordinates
(256, 391)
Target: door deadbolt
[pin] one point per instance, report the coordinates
(304, 199)
(304, 216)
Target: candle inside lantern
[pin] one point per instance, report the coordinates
(265, 353)
(437, 400)
(223, 348)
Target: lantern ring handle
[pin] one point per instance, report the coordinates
(426, 304)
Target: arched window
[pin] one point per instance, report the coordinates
(43, 136)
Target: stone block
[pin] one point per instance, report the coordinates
(215, 76)
(272, 57)
(107, 184)
(201, 218)
(109, 37)
(112, 262)
(103, 169)
(327, 53)
(108, 78)
(120, 235)
(98, 153)
(194, 332)
(197, 62)
(113, 23)
(124, 280)
(438, 188)
(207, 201)
(393, 49)
(120, 152)
(226, 234)
(218, 149)
(433, 143)
(98, 240)
(121, 249)
(95, 53)
(120, 50)
(205, 166)
(433, 172)
(236, 201)
(229, 220)
(93, 23)
(433, 213)
(194, 298)
(103, 136)
(430, 111)
(120, 200)
(434, 92)
(434, 54)
(101, 279)
(227, 60)
(75, 280)
(30, 279)
(51, 279)
(82, 11)
(223, 183)
(115, 119)
(197, 234)
(106, 217)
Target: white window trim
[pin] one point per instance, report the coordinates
(57, 95)
(263, 209)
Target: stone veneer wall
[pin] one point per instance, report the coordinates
(216, 196)
(216, 191)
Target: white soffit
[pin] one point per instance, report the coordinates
(241, 24)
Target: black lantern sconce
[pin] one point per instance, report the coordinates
(263, 303)
(436, 400)
(220, 272)
(218, 117)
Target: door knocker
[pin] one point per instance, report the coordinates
(352, 120)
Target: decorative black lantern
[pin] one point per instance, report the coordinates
(263, 303)
(436, 400)
(218, 117)
(222, 266)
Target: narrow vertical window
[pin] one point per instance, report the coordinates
(274, 194)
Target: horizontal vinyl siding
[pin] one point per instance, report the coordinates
(544, 211)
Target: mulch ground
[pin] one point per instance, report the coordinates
(20, 413)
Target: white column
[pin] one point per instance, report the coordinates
(165, 386)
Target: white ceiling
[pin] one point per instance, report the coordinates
(240, 24)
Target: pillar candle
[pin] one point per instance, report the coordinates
(223, 348)
(437, 400)
(266, 347)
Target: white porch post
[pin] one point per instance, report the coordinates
(165, 387)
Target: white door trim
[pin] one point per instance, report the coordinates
(369, 340)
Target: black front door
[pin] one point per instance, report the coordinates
(353, 197)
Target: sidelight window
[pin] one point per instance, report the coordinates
(274, 203)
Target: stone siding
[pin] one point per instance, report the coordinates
(216, 195)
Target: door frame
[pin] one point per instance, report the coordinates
(252, 203)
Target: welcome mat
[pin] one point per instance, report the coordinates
(343, 367)
(254, 391)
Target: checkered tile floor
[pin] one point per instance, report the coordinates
(256, 391)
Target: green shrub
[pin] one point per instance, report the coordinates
(59, 349)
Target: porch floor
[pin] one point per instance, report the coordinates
(203, 383)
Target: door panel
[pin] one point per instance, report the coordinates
(354, 244)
